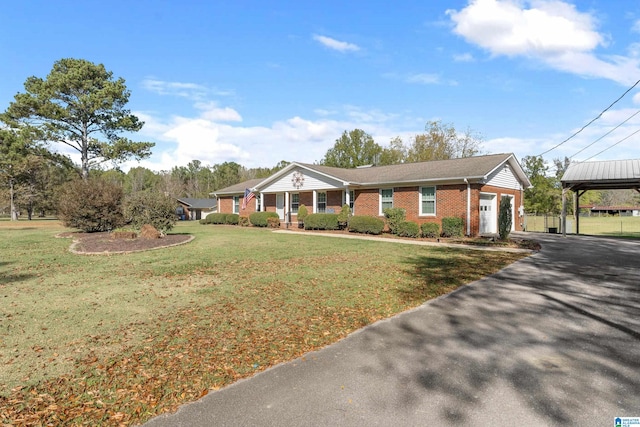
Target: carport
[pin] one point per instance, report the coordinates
(602, 175)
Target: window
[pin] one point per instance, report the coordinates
(352, 197)
(386, 199)
(427, 200)
(321, 206)
(295, 203)
(236, 204)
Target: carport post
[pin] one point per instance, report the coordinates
(564, 212)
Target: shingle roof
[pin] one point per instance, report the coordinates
(610, 174)
(199, 203)
(240, 187)
(467, 167)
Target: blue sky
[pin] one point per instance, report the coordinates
(258, 82)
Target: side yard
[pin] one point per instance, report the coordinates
(118, 339)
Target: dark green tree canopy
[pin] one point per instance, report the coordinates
(352, 149)
(81, 105)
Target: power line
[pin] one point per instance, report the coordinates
(629, 118)
(611, 146)
(596, 118)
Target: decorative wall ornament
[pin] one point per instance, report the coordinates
(297, 179)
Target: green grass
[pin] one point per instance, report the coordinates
(625, 226)
(144, 332)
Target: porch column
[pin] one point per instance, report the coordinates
(287, 219)
(315, 201)
(261, 202)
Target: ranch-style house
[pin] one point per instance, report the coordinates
(469, 188)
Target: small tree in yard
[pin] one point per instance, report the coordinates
(91, 206)
(394, 216)
(504, 218)
(343, 216)
(302, 214)
(150, 207)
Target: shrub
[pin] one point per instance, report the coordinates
(408, 229)
(394, 217)
(232, 219)
(504, 218)
(302, 213)
(321, 221)
(91, 206)
(216, 218)
(244, 221)
(366, 224)
(430, 229)
(150, 207)
(273, 222)
(260, 219)
(343, 216)
(452, 227)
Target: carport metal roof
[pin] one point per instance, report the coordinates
(601, 175)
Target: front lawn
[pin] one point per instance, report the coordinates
(121, 338)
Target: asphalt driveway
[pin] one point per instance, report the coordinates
(553, 339)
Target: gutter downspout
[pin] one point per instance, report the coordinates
(468, 206)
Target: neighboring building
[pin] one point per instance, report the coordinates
(469, 188)
(610, 210)
(194, 209)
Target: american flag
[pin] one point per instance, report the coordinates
(248, 195)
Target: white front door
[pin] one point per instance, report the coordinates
(280, 205)
(488, 219)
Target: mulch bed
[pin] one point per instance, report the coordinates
(106, 243)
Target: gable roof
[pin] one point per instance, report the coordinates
(605, 175)
(472, 168)
(477, 169)
(238, 188)
(198, 203)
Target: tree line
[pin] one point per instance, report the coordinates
(81, 105)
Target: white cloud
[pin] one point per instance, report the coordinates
(551, 31)
(636, 26)
(423, 78)
(506, 28)
(191, 91)
(464, 57)
(183, 139)
(336, 44)
(636, 98)
(210, 111)
(185, 90)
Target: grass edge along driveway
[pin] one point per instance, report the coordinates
(118, 339)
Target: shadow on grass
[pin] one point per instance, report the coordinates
(9, 278)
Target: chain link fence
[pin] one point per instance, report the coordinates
(626, 226)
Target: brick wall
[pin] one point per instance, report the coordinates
(451, 201)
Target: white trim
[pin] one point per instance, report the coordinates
(513, 209)
(493, 224)
(233, 209)
(291, 203)
(380, 199)
(325, 201)
(435, 200)
(346, 199)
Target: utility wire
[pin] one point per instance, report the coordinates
(629, 118)
(585, 126)
(611, 146)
